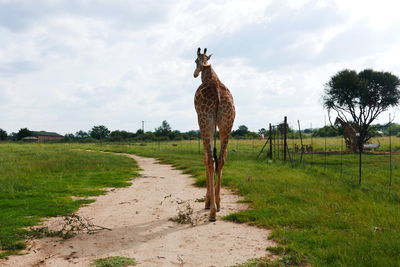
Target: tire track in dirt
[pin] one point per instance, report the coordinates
(139, 218)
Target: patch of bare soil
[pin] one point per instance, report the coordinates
(140, 219)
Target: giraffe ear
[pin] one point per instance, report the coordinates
(208, 57)
(198, 51)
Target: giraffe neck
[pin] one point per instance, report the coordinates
(208, 73)
(343, 123)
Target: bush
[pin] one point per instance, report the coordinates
(3, 134)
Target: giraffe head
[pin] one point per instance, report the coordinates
(338, 121)
(201, 61)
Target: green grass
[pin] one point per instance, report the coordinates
(116, 261)
(38, 181)
(287, 257)
(317, 215)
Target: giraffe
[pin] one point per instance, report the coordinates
(215, 108)
(349, 134)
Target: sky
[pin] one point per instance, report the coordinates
(69, 65)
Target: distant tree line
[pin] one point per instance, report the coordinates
(162, 133)
(165, 133)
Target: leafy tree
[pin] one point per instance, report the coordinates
(23, 132)
(147, 136)
(163, 130)
(13, 136)
(360, 97)
(175, 135)
(263, 131)
(241, 131)
(251, 135)
(69, 137)
(121, 135)
(326, 131)
(394, 129)
(3, 134)
(99, 132)
(81, 134)
(192, 134)
(281, 128)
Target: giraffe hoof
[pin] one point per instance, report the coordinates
(212, 219)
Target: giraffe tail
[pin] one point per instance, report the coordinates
(215, 158)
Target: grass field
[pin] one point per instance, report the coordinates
(38, 181)
(315, 214)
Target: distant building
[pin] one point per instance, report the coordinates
(47, 136)
(30, 139)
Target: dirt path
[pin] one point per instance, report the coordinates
(138, 216)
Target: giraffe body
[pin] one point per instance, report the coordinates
(215, 109)
(349, 134)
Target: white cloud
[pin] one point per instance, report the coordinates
(69, 65)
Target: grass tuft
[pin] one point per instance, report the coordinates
(185, 214)
(259, 262)
(115, 261)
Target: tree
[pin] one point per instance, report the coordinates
(241, 131)
(163, 130)
(394, 129)
(81, 134)
(118, 135)
(175, 135)
(13, 136)
(147, 136)
(326, 131)
(263, 131)
(359, 98)
(3, 134)
(23, 132)
(69, 137)
(192, 134)
(99, 132)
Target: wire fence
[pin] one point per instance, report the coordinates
(375, 166)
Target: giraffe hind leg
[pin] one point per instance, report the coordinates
(207, 199)
(209, 164)
(221, 162)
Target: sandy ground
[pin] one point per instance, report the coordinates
(138, 216)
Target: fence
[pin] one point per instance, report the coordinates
(336, 160)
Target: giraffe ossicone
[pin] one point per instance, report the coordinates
(215, 109)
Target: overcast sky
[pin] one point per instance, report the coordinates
(69, 65)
